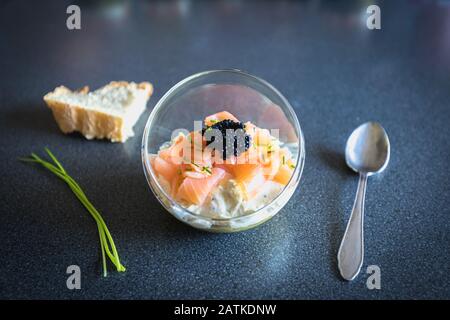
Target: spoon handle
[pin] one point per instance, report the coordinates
(351, 251)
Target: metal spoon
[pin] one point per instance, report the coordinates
(367, 152)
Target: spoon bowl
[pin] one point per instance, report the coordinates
(368, 149)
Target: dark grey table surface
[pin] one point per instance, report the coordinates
(335, 72)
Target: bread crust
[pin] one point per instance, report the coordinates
(91, 123)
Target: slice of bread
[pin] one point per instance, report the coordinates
(109, 112)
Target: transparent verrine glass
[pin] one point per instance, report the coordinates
(247, 97)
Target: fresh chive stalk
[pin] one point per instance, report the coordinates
(207, 170)
(107, 245)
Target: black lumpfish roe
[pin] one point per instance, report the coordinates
(235, 146)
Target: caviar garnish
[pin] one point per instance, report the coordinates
(236, 145)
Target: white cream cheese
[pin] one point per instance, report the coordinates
(227, 200)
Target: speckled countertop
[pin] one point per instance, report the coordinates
(336, 74)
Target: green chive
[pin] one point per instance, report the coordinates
(208, 170)
(107, 245)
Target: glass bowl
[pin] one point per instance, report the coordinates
(247, 97)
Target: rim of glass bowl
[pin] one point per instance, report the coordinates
(148, 170)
